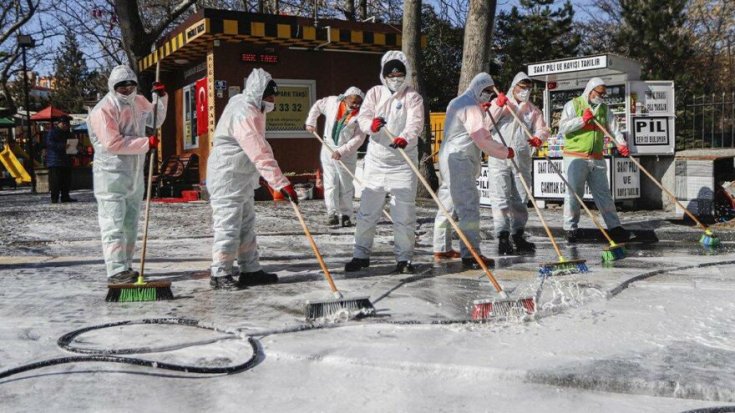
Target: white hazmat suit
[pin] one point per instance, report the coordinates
(239, 157)
(466, 136)
(345, 138)
(508, 197)
(386, 170)
(117, 127)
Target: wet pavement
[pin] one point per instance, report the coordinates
(52, 281)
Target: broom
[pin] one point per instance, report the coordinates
(331, 151)
(613, 251)
(325, 308)
(708, 239)
(485, 308)
(142, 290)
(564, 266)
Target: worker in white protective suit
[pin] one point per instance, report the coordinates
(343, 135)
(508, 197)
(466, 136)
(239, 157)
(583, 157)
(117, 127)
(393, 115)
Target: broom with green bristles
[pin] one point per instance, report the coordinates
(564, 266)
(613, 251)
(142, 290)
(708, 239)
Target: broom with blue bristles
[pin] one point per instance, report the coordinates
(708, 239)
(142, 290)
(564, 266)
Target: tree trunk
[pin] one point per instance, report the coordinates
(349, 10)
(363, 9)
(412, 49)
(136, 40)
(477, 41)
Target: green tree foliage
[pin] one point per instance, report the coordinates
(653, 33)
(442, 58)
(71, 75)
(533, 33)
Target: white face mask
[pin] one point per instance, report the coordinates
(523, 95)
(268, 106)
(485, 97)
(394, 83)
(126, 99)
(596, 100)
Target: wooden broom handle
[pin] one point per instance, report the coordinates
(446, 213)
(316, 249)
(655, 181)
(316, 135)
(528, 191)
(151, 155)
(558, 172)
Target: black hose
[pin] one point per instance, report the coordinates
(111, 356)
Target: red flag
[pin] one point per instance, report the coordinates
(202, 107)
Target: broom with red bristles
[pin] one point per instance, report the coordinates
(486, 308)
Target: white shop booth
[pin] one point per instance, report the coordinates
(644, 110)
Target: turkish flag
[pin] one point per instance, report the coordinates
(202, 107)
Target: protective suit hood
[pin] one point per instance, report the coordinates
(352, 90)
(478, 84)
(395, 55)
(593, 83)
(520, 76)
(255, 86)
(119, 74)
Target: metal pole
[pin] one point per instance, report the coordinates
(29, 141)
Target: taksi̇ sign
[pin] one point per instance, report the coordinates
(651, 131)
(571, 65)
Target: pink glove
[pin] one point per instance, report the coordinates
(153, 142)
(623, 150)
(399, 143)
(511, 153)
(535, 142)
(485, 105)
(587, 115)
(377, 124)
(501, 100)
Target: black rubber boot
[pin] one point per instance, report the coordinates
(346, 221)
(619, 234)
(504, 245)
(523, 246)
(573, 236)
(357, 264)
(405, 267)
(223, 283)
(257, 278)
(332, 220)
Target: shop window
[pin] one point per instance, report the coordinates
(191, 140)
